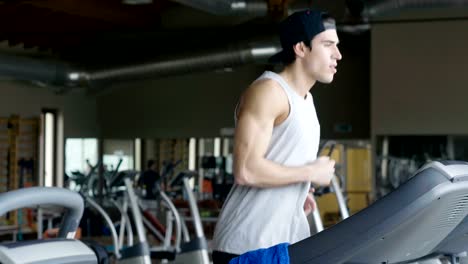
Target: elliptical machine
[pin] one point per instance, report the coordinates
(184, 249)
(195, 250)
(134, 253)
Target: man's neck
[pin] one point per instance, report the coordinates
(297, 79)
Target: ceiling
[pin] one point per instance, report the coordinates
(107, 39)
(95, 34)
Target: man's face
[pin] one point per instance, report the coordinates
(322, 59)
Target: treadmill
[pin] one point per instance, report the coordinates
(408, 224)
(64, 249)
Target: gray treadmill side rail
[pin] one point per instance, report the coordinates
(349, 239)
(34, 196)
(80, 254)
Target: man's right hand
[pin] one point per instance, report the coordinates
(322, 171)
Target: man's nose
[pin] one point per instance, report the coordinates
(337, 54)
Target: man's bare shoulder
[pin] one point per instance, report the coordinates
(264, 95)
(265, 89)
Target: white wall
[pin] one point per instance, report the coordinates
(112, 146)
(79, 111)
(199, 105)
(419, 78)
(183, 106)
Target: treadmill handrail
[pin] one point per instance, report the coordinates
(35, 196)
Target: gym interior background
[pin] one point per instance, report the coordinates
(101, 81)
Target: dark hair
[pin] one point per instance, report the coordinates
(150, 163)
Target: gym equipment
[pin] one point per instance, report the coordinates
(81, 180)
(134, 253)
(420, 218)
(196, 250)
(340, 199)
(89, 184)
(162, 233)
(63, 249)
(25, 167)
(405, 225)
(455, 245)
(171, 243)
(183, 250)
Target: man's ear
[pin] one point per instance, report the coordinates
(299, 49)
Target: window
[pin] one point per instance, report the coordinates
(79, 152)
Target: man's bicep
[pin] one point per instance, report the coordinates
(258, 109)
(253, 132)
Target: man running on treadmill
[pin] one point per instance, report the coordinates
(276, 143)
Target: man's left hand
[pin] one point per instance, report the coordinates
(309, 204)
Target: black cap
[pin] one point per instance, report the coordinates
(300, 26)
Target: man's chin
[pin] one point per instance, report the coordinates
(326, 80)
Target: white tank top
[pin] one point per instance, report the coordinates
(254, 218)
